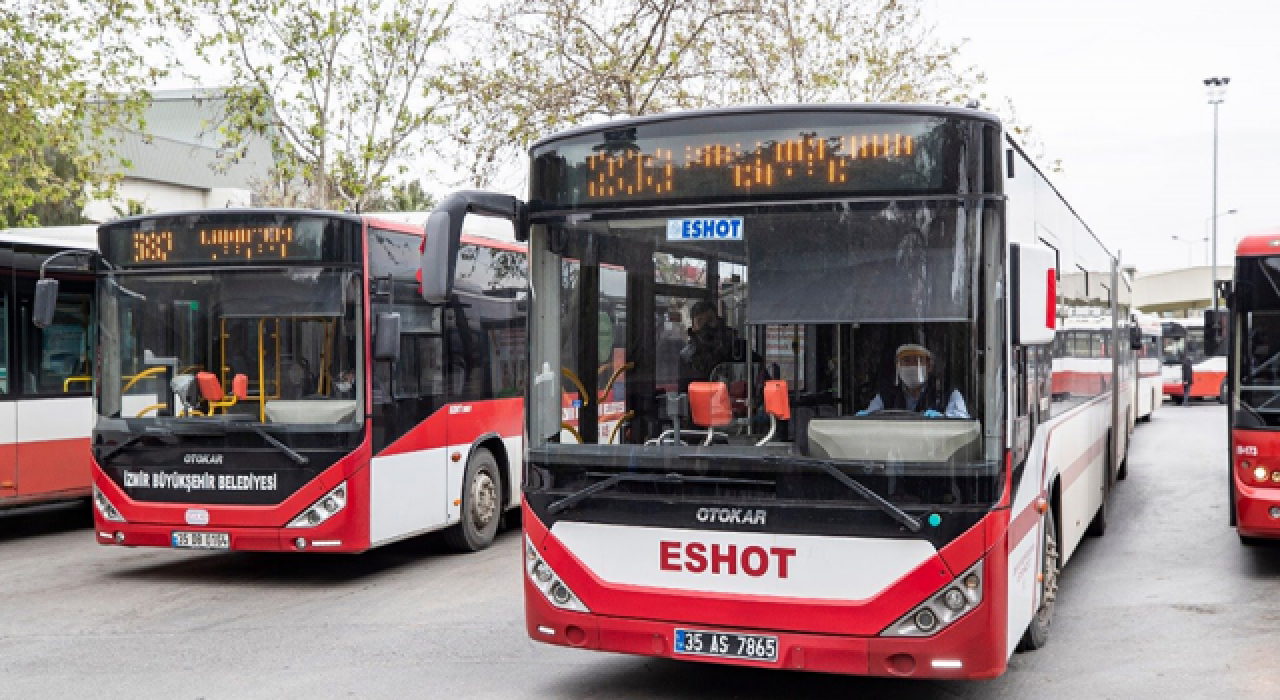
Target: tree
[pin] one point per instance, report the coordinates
(845, 51)
(543, 65)
(405, 197)
(346, 90)
(70, 72)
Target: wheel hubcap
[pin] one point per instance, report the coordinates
(484, 500)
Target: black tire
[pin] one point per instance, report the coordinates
(1037, 634)
(1177, 400)
(1098, 526)
(481, 504)
(1222, 393)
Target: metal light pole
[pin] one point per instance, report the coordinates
(1217, 89)
(1191, 243)
(1208, 220)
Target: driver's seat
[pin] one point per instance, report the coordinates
(211, 391)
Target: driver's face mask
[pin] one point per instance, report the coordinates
(912, 372)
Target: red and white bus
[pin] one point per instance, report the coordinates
(1150, 389)
(1184, 337)
(45, 407)
(786, 501)
(1253, 352)
(274, 380)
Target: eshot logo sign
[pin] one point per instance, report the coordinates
(705, 229)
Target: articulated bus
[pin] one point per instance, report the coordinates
(1150, 384)
(1253, 352)
(839, 447)
(1184, 337)
(274, 380)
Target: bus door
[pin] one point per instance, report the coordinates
(8, 407)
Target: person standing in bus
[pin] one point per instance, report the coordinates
(916, 389)
(1186, 379)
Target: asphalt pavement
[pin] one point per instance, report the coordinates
(1167, 605)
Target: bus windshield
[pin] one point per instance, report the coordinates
(867, 312)
(1256, 347)
(269, 346)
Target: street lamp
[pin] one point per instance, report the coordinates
(1190, 242)
(1208, 219)
(1217, 89)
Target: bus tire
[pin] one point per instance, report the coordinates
(1037, 634)
(1098, 526)
(1222, 393)
(1177, 400)
(481, 504)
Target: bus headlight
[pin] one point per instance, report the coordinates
(946, 606)
(105, 508)
(547, 582)
(331, 504)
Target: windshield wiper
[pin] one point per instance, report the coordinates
(858, 487)
(289, 451)
(164, 435)
(670, 478)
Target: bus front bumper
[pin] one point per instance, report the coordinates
(246, 539)
(1257, 511)
(968, 649)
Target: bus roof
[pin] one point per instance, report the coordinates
(1260, 244)
(916, 109)
(84, 237)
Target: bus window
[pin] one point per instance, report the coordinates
(60, 352)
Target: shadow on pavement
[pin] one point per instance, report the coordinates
(677, 679)
(1261, 560)
(296, 569)
(48, 519)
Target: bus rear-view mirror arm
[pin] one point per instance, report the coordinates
(444, 236)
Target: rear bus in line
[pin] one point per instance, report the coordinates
(45, 374)
(1251, 326)
(742, 287)
(274, 380)
(1184, 338)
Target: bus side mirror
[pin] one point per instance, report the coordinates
(386, 338)
(1135, 338)
(46, 303)
(435, 272)
(1215, 332)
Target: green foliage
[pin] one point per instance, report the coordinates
(131, 207)
(346, 91)
(405, 197)
(70, 72)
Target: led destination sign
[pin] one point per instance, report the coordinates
(798, 154)
(214, 244)
(235, 239)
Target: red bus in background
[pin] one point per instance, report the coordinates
(1185, 337)
(274, 380)
(1251, 327)
(46, 410)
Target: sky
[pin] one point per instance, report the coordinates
(1114, 89)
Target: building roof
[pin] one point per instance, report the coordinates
(182, 144)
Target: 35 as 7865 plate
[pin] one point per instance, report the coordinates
(730, 645)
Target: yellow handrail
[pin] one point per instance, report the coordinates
(616, 373)
(572, 431)
(625, 417)
(66, 384)
(149, 409)
(582, 390)
(262, 372)
(140, 376)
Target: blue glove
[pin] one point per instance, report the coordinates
(862, 413)
(932, 414)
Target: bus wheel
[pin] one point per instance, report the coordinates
(481, 504)
(1037, 634)
(1222, 393)
(1177, 400)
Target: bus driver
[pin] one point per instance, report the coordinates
(916, 389)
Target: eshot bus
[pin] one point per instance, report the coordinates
(45, 404)
(1253, 352)
(791, 268)
(1184, 337)
(273, 380)
(1150, 386)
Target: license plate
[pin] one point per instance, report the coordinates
(729, 645)
(202, 540)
